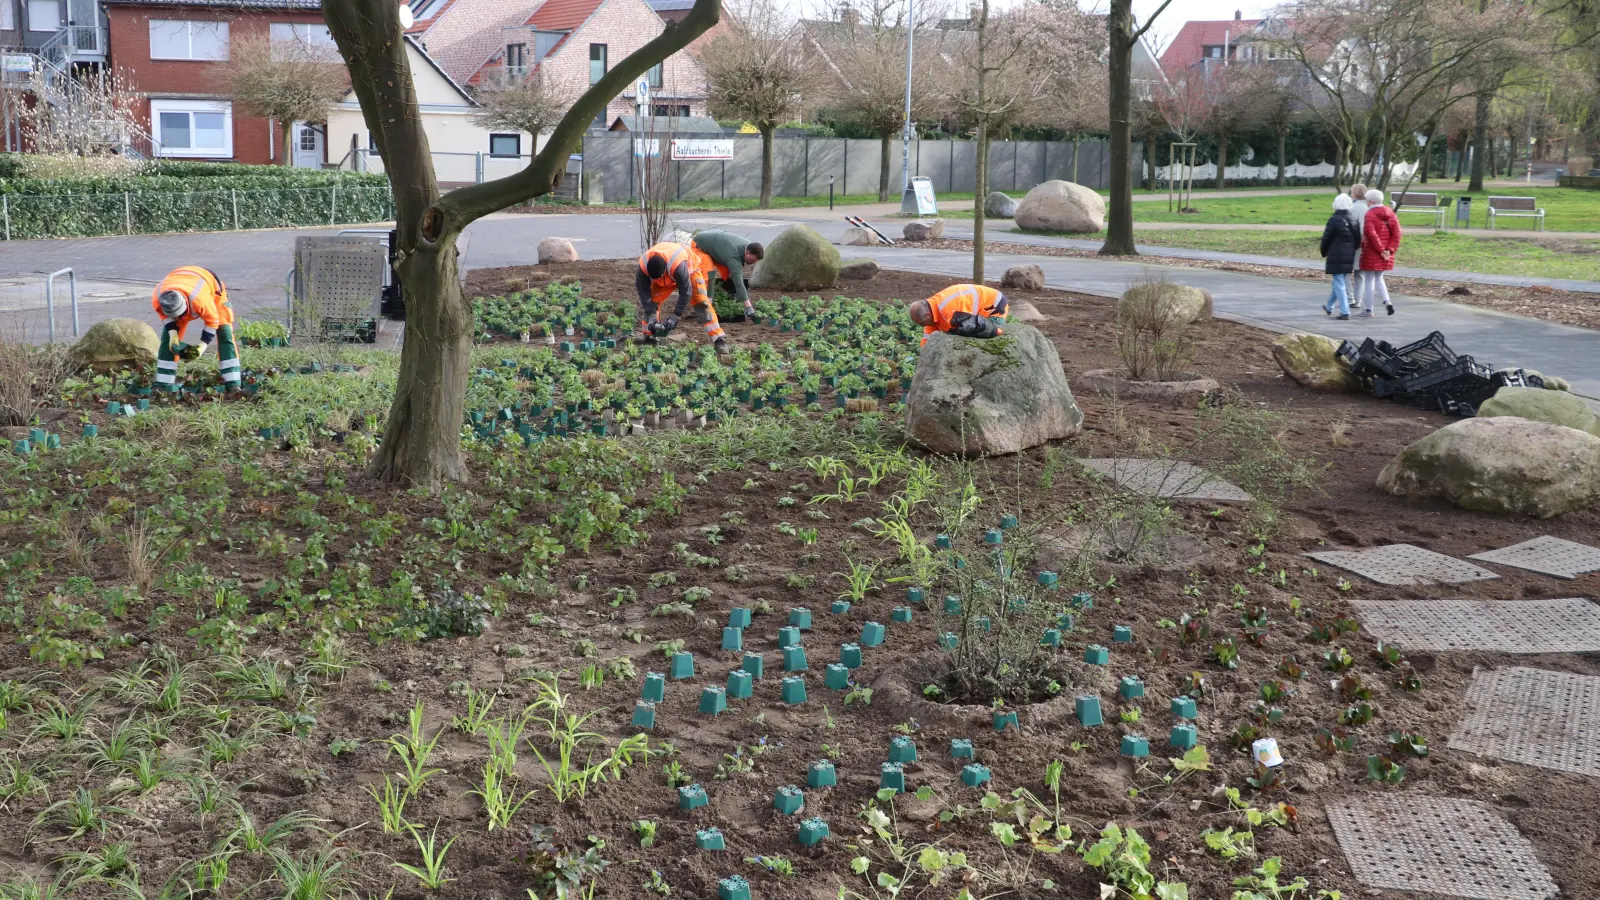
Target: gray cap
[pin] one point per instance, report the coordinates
(172, 303)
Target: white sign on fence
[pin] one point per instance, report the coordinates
(17, 62)
(643, 147)
(702, 148)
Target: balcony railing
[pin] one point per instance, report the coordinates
(74, 43)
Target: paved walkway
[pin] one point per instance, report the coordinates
(255, 263)
(1288, 262)
(1282, 305)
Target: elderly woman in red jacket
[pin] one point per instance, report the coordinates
(1380, 238)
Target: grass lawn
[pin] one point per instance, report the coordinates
(1566, 209)
(1422, 250)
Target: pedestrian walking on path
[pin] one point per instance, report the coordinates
(1341, 242)
(1358, 212)
(1380, 239)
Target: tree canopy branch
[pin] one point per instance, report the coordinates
(464, 205)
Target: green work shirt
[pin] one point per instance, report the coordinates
(727, 251)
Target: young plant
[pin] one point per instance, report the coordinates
(431, 872)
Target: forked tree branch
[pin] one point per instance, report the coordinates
(465, 205)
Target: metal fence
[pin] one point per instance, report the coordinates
(805, 167)
(27, 216)
(452, 169)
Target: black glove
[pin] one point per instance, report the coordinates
(973, 326)
(669, 323)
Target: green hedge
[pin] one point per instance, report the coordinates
(64, 213)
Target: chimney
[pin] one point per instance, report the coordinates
(848, 15)
(974, 12)
(1238, 15)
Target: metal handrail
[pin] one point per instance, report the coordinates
(50, 299)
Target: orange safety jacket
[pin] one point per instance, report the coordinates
(971, 299)
(686, 274)
(208, 298)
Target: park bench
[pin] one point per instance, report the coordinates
(1423, 203)
(1521, 207)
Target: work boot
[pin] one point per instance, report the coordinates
(721, 346)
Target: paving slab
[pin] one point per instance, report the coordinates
(1569, 625)
(1458, 848)
(1169, 478)
(1399, 564)
(1535, 717)
(1546, 555)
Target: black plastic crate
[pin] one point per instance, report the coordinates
(1463, 368)
(1371, 359)
(1427, 353)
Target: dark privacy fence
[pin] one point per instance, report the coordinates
(802, 167)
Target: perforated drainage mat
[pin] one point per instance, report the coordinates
(1459, 848)
(1169, 478)
(1546, 555)
(1404, 564)
(1535, 717)
(1509, 626)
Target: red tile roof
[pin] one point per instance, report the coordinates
(563, 15)
(1187, 47)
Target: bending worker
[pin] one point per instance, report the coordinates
(730, 254)
(187, 294)
(964, 310)
(669, 267)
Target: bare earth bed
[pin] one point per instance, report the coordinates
(1210, 566)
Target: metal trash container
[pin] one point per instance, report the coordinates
(1464, 212)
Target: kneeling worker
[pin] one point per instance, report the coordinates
(964, 310)
(669, 267)
(187, 294)
(730, 254)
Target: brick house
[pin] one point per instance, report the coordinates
(574, 42)
(175, 53)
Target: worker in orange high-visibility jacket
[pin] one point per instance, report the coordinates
(185, 295)
(964, 310)
(667, 268)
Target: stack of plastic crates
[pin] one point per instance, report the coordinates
(1429, 375)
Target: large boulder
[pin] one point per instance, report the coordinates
(1540, 405)
(862, 268)
(798, 259)
(557, 250)
(861, 237)
(116, 344)
(975, 397)
(1062, 206)
(1023, 311)
(1500, 465)
(1178, 303)
(1313, 361)
(1026, 277)
(999, 205)
(924, 230)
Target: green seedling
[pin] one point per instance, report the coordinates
(431, 872)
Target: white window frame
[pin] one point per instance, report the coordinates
(189, 25)
(157, 107)
(301, 34)
(34, 26)
(505, 134)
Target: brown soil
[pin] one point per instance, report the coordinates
(1549, 304)
(1555, 811)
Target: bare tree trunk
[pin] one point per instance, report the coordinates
(1427, 153)
(1222, 160)
(1150, 164)
(421, 442)
(766, 166)
(1119, 226)
(980, 189)
(1480, 142)
(288, 151)
(883, 169)
(1283, 152)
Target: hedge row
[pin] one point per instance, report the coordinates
(58, 215)
(184, 176)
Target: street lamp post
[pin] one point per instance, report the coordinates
(905, 134)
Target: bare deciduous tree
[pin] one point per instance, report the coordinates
(757, 71)
(287, 80)
(1124, 35)
(864, 56)
(533, 104)
(422, 437)
(79, 125)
